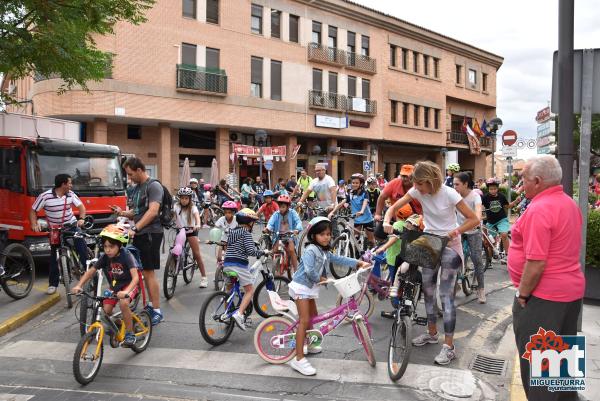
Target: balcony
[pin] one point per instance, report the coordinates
(460, 138)
(327, 55)
(358, 62)
(199, 79)
(333, 101)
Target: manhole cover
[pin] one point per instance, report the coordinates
(457, 390)
(489, 365)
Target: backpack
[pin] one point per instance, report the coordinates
(165, 212)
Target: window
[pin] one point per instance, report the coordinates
(416, 62)
(294, 23)
(426, 117)
(275, 80)
(212, 11)
(134, 132)
(366, 89)
(436, 67)
(472, 77)
(188, 54)
(394, 111)
(197, 139)
(364, 45)
(405, 113)
(212, 59)
(484, 82)
(275, 24)
(332, 37)
(10, 170)
(256, 76)
(425, 65)
(351, 86)
(189, 8)
(256, 25)
(436, 119)
(458, 74)
(316, 32)
(393, 55)
(416, 115)
(333, 82)
(351, 42)
(405, 59)
(317, 79)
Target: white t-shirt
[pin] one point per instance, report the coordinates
(472, 200)
(321, 188)
(183, 216)
(207, 197)
(439, 210)
(225, 226)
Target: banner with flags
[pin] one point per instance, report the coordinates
(474, 146)
(484, 128)
(476, 129)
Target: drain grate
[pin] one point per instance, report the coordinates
(489, 365)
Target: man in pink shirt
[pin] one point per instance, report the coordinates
(543, 263)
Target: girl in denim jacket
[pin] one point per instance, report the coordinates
(304, 288)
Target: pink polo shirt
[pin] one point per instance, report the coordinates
(550, 230)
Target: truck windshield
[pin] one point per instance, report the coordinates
(92, 174)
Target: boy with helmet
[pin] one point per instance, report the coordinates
(226, 223)
(373, 193)
(197, 196)
(268, 207)
(285, 220)
(358, 200)
(450, 170)
(121, 269)
(240, 245)
(495, 205)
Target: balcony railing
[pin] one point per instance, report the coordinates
(333, 101)
(201, 79)
(461, 139)
(335, 56)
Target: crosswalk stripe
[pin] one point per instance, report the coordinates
(15, 397)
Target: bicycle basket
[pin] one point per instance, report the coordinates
(422, 249)
(348, 286)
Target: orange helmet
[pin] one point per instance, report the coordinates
(404, 212)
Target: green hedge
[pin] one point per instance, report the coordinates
(592, 254)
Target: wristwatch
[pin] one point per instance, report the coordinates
(134, 229)
(523, 297)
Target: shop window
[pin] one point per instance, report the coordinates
(197, 139)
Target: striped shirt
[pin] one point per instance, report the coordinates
(240, 245)
(53, 206)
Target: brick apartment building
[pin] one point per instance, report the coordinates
(201, 75)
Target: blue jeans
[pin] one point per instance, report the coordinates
(80, 247)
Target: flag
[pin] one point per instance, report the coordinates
(484, 128)
(464, 125)
(474, 145)
(476, 128)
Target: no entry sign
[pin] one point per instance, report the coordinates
(509, 138)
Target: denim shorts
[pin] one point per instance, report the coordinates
(502, 226)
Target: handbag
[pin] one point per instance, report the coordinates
(55, 230)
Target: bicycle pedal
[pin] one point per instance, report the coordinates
(421, 321)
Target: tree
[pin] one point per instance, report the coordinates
(56, 38)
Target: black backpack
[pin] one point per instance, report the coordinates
(165, 212)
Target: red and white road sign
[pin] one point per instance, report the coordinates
(509, 138)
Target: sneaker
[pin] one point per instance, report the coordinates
(157, 317)
(312, 349)
(203, 282)
(205, 226)
(393, 291)
(239, 320)
(51, 290)
(149, 309)
(425, 339)
(303, 366)
(481, 295)
(388, 315)
(129, 340)
(446, 355)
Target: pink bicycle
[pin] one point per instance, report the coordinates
(275, 337)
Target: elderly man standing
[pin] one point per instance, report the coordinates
(543, 263)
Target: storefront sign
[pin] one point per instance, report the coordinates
(547, 140)
(361, 124)
(254, 151)
(331, 122)
(359, 104)
(546, 128)
(543, 115)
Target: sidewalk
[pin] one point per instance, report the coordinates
(15, 313)
(591, 331)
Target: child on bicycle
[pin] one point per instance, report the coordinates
(121, 269)
(206, 202)
(187, 215)
(373, 193)
(304, 288)
(268, 207)
(226, 223)
(240, 245)
(285, 220)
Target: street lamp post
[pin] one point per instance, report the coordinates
(495, 125)
(260, 136)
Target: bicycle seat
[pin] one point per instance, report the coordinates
(230, 274)
(281, 305)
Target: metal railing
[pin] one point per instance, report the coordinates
(334, 101)
(362, 105)
(201, 79)
(333, 55)
(462, 139)
(359, 62)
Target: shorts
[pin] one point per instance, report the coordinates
(370, 226)
(149, 247)
(300, 291)
(243, 273)
(193, 233)
(206, 205)
(502, 226)
(132, 295)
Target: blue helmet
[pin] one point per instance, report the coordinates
(341, 182)
(268, 192)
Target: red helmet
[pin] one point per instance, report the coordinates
(284, 199)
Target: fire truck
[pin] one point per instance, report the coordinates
(29, 161)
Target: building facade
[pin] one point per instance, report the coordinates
(347, 83)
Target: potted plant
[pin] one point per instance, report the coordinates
(592, 256)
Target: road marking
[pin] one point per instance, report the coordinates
(246, 396)
(482, 333)
(15, 397)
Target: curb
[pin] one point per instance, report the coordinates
(23, 317)
(516, 386)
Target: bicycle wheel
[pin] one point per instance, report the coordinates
(213, 328)
(265, 344)
(468, 277)
(170, 276)
(342, 246)
(189, 264)
(86, 364)
(261, 300)
(19, 269)
(366, 307)
(142, 339)
(301, 242)
(400, 346)
(87, 313)
(219, 279)
(64, 269)
(365, 339)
